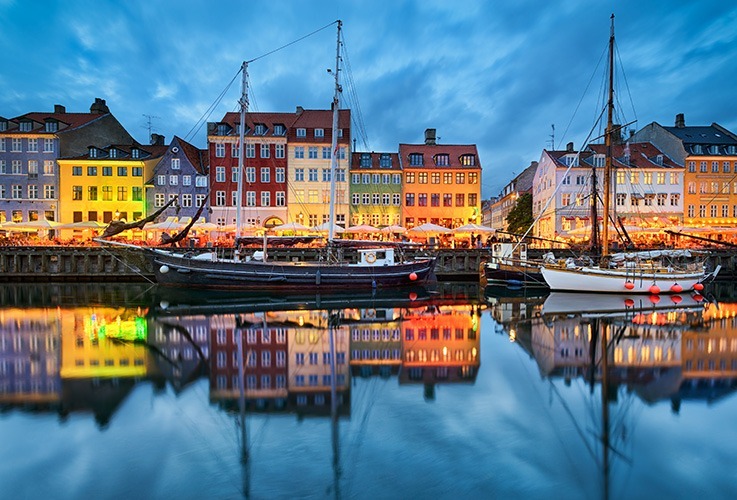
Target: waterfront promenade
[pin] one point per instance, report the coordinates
(105, 264)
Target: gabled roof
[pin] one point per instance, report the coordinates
(232, 119)
(147, 152)
(375, 161)
(321, 118)
(67, 121)
(641, 155)
(429, 151)
(712, 134)
(197, 157)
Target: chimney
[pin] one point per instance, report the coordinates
(430, 136)
(300, 110)
(58, 108)
(99, 107)
(617, 134)
(569, 147)
(157, 140)
(680, 120)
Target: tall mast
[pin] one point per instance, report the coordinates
(334, 144)
(607, 183)
(243, 101)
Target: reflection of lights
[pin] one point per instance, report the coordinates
(474, 352)
(301, 321)
(512, 335)
(445, 351)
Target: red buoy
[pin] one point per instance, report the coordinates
(676, 299)
(629, 285)
(413, 276)
(698, 287)
(698, 298)
(655, 299)
(412, 296)
(655, 289)
(676, 288)
(629, 303)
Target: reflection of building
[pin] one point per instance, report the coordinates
(376, 342)
(29, 356)
(182, 347)
(440, 345)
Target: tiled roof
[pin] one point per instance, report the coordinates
(711, 134)
(269, 119)
(69, 120)
(429, 151)
(641, 155)
(197, 157)
(375, 161)
(322, 118)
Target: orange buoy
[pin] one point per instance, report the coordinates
(413, 276)
(698, 287)
(676, 299)
(629, 285)
(676, 288)
(655, 289)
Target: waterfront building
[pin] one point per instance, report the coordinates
(265, 162)
(107, 183)
(309, 155)
(376, 189)
(708, 154)
(441, 183)
(376, 341)
(30, 145)
(507, 199)
(182, 171)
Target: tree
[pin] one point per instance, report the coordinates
(520, 218)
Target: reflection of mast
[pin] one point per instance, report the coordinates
(605, 406)
(242, 414)
(333, 319)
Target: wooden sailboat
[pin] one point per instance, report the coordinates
(371, 267)
(643, 272)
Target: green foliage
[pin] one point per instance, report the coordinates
(520, 217)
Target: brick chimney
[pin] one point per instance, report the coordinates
(99, 107)
(300, 110)
(430, 136)
(569, 147)
(680, 120)
(58, 108)
(157, 140)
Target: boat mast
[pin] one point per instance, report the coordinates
(607, 183)
(334, 144)
(243, 101)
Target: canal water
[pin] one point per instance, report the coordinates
(129, 391)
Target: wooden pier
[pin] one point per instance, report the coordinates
(111, 264)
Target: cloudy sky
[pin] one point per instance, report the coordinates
(497, 74)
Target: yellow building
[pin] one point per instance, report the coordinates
(441, 183)
(309, 159)
(106, 184)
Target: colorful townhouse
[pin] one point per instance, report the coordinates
(30, 145)
(265, 191)
(708, 154)
(376, 189)
(507, 198)
(441, 183)
(182, 172)
(107, 183)
(310, 155)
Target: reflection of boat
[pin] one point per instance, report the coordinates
(381, 266)
(504, 291)
(639, 274)
(569, 303)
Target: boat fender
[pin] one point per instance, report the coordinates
(676, 288)
(629, 285)
(164, 269)
(655, 289)
(371, 257)
(698, 287)
(413, 276)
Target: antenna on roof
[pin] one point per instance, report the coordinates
(149, 126)
(552, 137)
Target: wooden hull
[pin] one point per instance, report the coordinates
(172, 269)
(594, 279)
(514, 276)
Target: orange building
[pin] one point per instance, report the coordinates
(441, 183)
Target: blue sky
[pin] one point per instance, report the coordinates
(496, 74)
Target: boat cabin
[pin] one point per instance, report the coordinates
(376, 257)
(508, 252)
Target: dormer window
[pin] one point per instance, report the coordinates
(697, 149)
(468, 160)
(599, 160)
(113, 153)
(340, 133)
(222, 129)
(365, 160)
(3, 125)
(260, 129)
(135, 153)
(25, 126)
(319, 132)
(730, 149)
(52, 126)
(280, 129)
(301, 132)
(385, 161)
(93, 152)
(416, 159)
(442, 160)
(659, 159)
(714, 150)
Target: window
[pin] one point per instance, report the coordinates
(702, 166)
(122, 193)
(326, 153)
(159, 200)
(17, 191)
(326, 175)
(107, 193)
(447, 178)
(33, 192)
(250, 150)
(301, 132)
(76, 171)
(460, 178)
(265, 175)
(219, 174)
(299, 152)
(92, 193)
(416, 159)
(674, 199)
(49, 192)
(76, 192)
(161, 180)
(186, 200)
(175, 164)
(265, 199)
(312, 152)
(674, 179)
(442, 160)
(281, 175)
(15, 145)
(91, 171)
(422, 200)
(279, 151)
(299, 174)
(122, 171)
(186, 180)
(280, 130)
(460, 199)
(107, 171)
(137, 193)
(715, 167)
(250, 198)
(250, 175)
(200, 181)
(220, 198)
(219, 150)
(319, 132)
(468, 160)
(265, 151)
(409, 177)
(32, 169)
(48, 145)
(33, 145)
(409, 199)
(312, 175)
(281, 199)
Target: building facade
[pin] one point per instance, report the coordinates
(376, 189)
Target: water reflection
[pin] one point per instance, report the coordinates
(655, 348)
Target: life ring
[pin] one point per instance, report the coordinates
(370, 313)
(371, 257)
